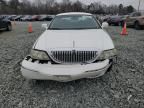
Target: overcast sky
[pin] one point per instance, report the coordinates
(109, 2)
(124, 2)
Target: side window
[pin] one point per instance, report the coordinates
(138, 14)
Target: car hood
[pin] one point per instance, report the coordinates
(83, 39)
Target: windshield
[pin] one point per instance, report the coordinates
(74, 22)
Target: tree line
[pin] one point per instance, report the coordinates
(54, 7)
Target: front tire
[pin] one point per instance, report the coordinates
(122, 23)
(119, 24)
(9, 27)
(137, 26)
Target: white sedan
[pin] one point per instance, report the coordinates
(73, 46)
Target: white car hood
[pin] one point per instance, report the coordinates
(83, 39)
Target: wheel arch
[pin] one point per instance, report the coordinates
(9, 23)
(136, 21)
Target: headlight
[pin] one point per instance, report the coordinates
(39, 55)
(107, 54)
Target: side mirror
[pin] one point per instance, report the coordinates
(44, 26)
(105, 25)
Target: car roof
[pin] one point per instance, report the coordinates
(74, 13)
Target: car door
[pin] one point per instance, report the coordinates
(132, 18)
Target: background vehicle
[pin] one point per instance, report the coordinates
(10, 17)
(34, 18)
(114, 20)
(135, 19)
(17, 18)
(46, 18)
(5, 25)
(25, 18)
(105, 18)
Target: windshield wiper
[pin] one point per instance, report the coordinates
(55, 29)
(71, 28)
(85, 28)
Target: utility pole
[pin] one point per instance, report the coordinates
(139, 5)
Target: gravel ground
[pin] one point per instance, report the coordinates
(123, 87)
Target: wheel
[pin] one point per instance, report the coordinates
(137, 26)
(38, 81)
(119, 24)
(34, 81)
(109, 24)
(122, 23)
(9, 27)
(110, 68)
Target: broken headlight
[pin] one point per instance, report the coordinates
(107, 54)
(39, 55)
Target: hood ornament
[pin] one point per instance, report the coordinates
(73, 44)
(73, 51)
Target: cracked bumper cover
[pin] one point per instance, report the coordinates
(63, 73)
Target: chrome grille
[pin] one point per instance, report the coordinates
(74, 56)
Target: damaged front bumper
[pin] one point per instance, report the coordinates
(63, 73)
